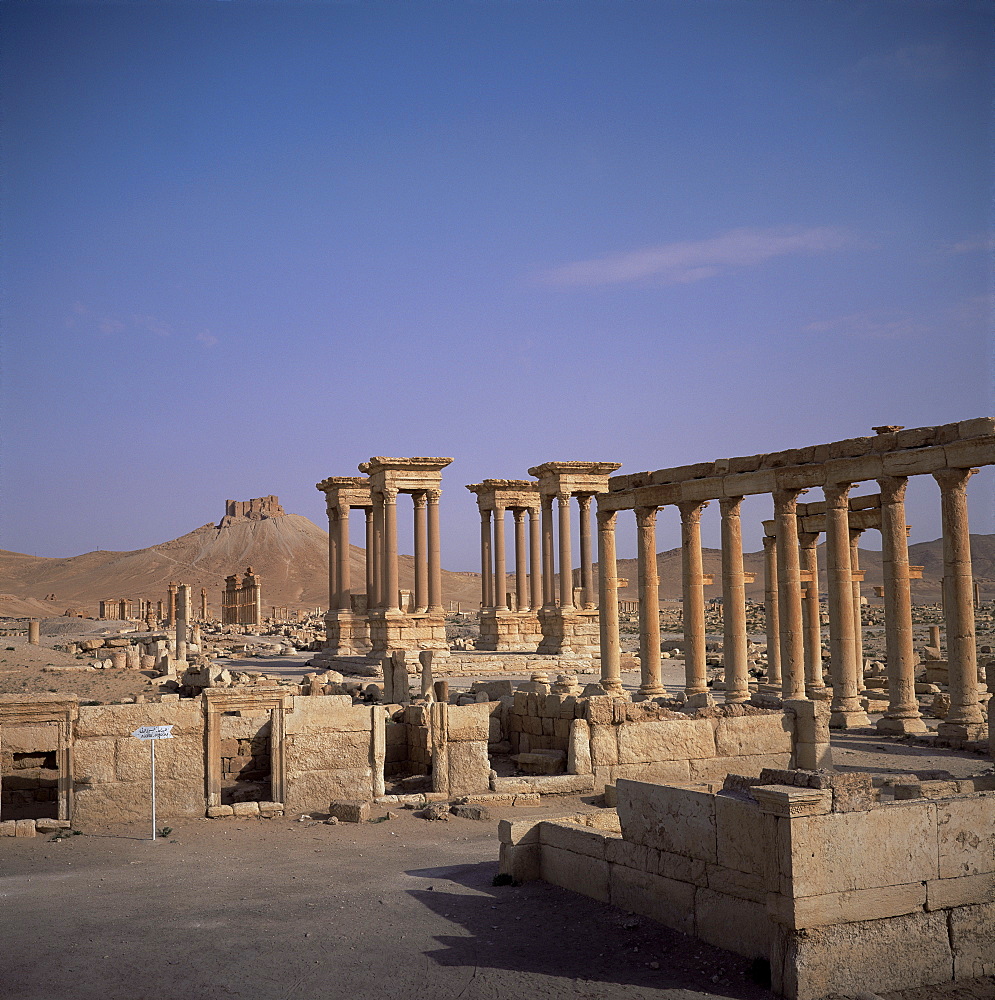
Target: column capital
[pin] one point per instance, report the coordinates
(953, 479)
(519, 514)
(730, 506)
(769, 541)
(691, 510)
(645, 516)
(837, 495)
(808, 539)
(485, 516)
(546, 501)
(342, 510)
(389, 494)
(432, 496)
(893, 488)
(564, 497)
(584, 501)
(419, 499)
(786, 501)
(855, 533)
(606, 518)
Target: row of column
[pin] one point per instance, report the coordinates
(794, 636)
(549, 574)
(382, 584)
(493, 554)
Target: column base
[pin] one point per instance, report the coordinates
(509, 631)
(848, 719)
(393, 631)
(912, 724)
(568, 630)
(969, 732)
(346, 634)
(736, 697)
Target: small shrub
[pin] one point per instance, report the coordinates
(165, 831)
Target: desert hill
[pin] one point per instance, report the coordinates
(290, 553)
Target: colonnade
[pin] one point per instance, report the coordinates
(794, 645)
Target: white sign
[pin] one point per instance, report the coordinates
(154, 733)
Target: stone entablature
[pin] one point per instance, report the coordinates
(948, 453)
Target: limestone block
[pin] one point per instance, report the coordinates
(520, 831)
(310, 715)
(829, 853)
(790, 801)
(642, 742)
(579, 748)
(8, 828)
(349, 810)
(676, 866)
(813, 756)
(245, 808)
(664, 772)
(30, 739)
(964, 891)
(604, 745)
(600, 711)
(469, 767)
(972, 932)
(745, 836)
(220, 812)
(965, 454)
(181, 758)
(976, 427)
(966, 829)
(679, 820)
(881, 955)
(521, 862)
(48, 825)
(716, 768)
(846, 907)
(665, 900)
(104, 721)
(753, 734)
(619, 851)
(469, 722)
(94, 761)
(24, 828)
(328, 751)
(130, 801)
(732, 882)
(270, 809)
(577, 872)
(731, 922)
(573, 837)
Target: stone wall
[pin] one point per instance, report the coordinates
(796, 874)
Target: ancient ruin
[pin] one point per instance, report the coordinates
(241, 600)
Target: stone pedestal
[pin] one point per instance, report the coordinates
(391, 631)
(509, 631)
(346, 634)
(569, 631)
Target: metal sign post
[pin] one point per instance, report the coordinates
(153, 733)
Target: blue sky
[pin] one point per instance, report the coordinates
(249, 245)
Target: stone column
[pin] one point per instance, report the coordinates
(734, 652)
(846, 710)
(434, 553)
(649, 603)
(789, 595)
(535, 562)
(390, 580)
(611, 662)
(903, 708)
(203, 604)
(692, 586)
(771, 614)
(858, 617)
(421, 562)
(958, 608)
(333, 557)
(521, 566)
(486, 563)
(808, 542)
(500, 567)
(182, 613)
(586, 562)
(371, 563)
(343, 573)
(548, 573)
(34, 632)
(171, 606)
(378, 550)
(566, 554)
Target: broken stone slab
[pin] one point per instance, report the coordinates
(349, 810)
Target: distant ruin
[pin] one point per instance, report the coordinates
(251, 510)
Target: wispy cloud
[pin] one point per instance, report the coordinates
(683, 263)
(207, 338)
(906, 65)
(977, 243)
(153, 325)
(897, 324)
